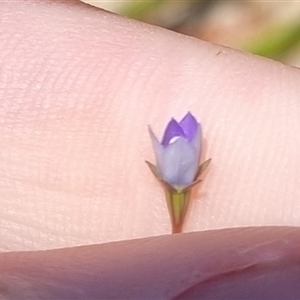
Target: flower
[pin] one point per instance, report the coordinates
(178, 154)
(178, 169)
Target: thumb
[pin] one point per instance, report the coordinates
(241, 263)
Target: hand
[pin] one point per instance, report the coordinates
(78, 88)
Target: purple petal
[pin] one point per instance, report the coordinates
(173, 130)
(189, 126)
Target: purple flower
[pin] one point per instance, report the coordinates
(178, 154)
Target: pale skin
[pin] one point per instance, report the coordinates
(76, 102)
(78, 87)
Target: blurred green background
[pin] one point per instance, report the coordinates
(266, 28)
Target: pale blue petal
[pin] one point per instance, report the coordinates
(197, 142)
(158, 149)
(179, 163)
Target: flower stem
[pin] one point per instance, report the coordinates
(178, 203)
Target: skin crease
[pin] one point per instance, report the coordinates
(78, 87)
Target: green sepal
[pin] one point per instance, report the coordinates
(203, 167)
(178, 201)
(153, 169)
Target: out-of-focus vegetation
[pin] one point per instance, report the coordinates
(267, 28)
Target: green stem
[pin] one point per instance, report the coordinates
(178, 203)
